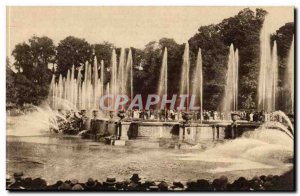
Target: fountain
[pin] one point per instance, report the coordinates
(289, 81)
(185, 75)
(84, 91)
(121, 72)
(230, 100)
(114, 74)
(129, 75)
(163, 79)
(197, 82)
(274, 77)
(46, 120)
(268, 75)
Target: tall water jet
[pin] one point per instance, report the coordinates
(129, 75)
(72, 87)
(84, 92)
(67, 85)
(60, 86)
(289, 81)
(121, 71)
(84, 87)
(79, 87)
(163, 79)
(52, 92)
(230, 99)
(236, 83)
(274, 76)
(185, 75)
(265, 52)
(268, 65)
(87, 91)
(113, 79)
(102, 77)
(197, 82)
(95, 82)
(83, 95)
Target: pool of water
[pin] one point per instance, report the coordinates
(58, 157)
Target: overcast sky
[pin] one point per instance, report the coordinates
(122, 26)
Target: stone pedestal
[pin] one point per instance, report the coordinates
(190, 134)
(123, 129)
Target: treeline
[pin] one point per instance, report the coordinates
(38, 59)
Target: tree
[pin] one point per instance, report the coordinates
(10, 87)
(72, 51)
(31, 83)
(175, 52)
(283, 37)
(146, 81)
(214, 56)
(23, 58)
(103, 52)
(243, 31)
(42, 49)
(32, 59)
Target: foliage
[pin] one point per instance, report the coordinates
(242, 30)
(283, 37)
(31, 82)
(72, 51)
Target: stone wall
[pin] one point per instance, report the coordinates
(191, 133)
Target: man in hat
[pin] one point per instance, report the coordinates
(219, 184)
(18, 184)
(85, 125)
(93, 129)
(163, 186)
(27, 183)
(90, 185)
(240, 184)
(39, 184)
(191, 185)
(120, 186)
(255, 184)
(135, 179)
(109, 184)
(177, 186)
(203, 185)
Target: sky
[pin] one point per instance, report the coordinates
(122, 26)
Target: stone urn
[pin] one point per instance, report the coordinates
(121, 114)
(235, 117)
(187, 117)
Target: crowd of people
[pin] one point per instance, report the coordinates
(173, 115)
(251, 116)
(283, 182)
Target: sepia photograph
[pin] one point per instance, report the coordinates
(150, 98)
